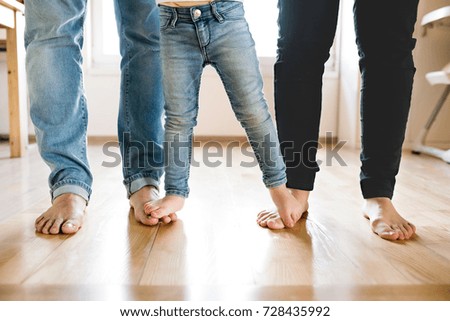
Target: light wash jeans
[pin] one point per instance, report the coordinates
(54, 40)
(216, 34)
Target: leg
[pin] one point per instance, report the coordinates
(232, 53)
(53, 39)
(182, 64)
(387, 69)
(141, 103)
(306, 33)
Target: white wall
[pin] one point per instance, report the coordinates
(215, 117)
(349, 79)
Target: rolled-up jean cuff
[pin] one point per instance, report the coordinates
(177, 193)
(276, 184)
(71, 189)
(139, 183)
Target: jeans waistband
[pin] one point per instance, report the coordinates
(211, 10)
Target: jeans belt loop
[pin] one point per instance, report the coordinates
(173, 23)
(216, 13)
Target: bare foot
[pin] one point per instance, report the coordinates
(290, 206)
(138, 201)
(165, 207)
(386, 221)
(65, 216)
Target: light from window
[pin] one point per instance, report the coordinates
(262, 19)
(110, 41)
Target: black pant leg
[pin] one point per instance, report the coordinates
(384, 31)
(306, 33)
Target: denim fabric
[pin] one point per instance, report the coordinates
(216, 34)
(384, 37)
(54, 41)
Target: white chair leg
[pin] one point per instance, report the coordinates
(419, 145)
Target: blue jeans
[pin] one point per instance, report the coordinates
(384, 35)
(54, 40)
(216, 34)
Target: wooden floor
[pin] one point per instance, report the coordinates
(216, 251)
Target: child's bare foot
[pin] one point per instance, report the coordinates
(138, 201)
(386, 221)
(65, 216)
(165, 207)
(290, 206)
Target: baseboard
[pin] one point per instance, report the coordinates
(5, 138)
(95, 140)
(409, 145)
(203, 139)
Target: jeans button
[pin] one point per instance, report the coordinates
(197, 13)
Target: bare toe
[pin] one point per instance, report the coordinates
(56, 227)
(39, 219)
(265, 216)
(405, 232)
(70, 227)
(263, 213)
(157, 213)
(150, 221)
(47, 227)
(272, 221)
(149, 207)
(409, 230)
(275, 224)
(389, 235)
(40, 225)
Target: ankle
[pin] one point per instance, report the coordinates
(279, 190)
(300, 195)
(69, 198)
(378, 200)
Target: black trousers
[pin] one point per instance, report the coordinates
(384, 31)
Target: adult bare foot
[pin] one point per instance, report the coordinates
(140, 198)
(386, 221)
(165, 207)
(290, 206)
(65, 216)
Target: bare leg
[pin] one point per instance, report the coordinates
(65, 216)
(148, 194)
(290, 206)
(165, 207)
(386, 221)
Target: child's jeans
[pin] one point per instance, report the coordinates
(215, 34)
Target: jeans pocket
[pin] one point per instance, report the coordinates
(232, 11)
